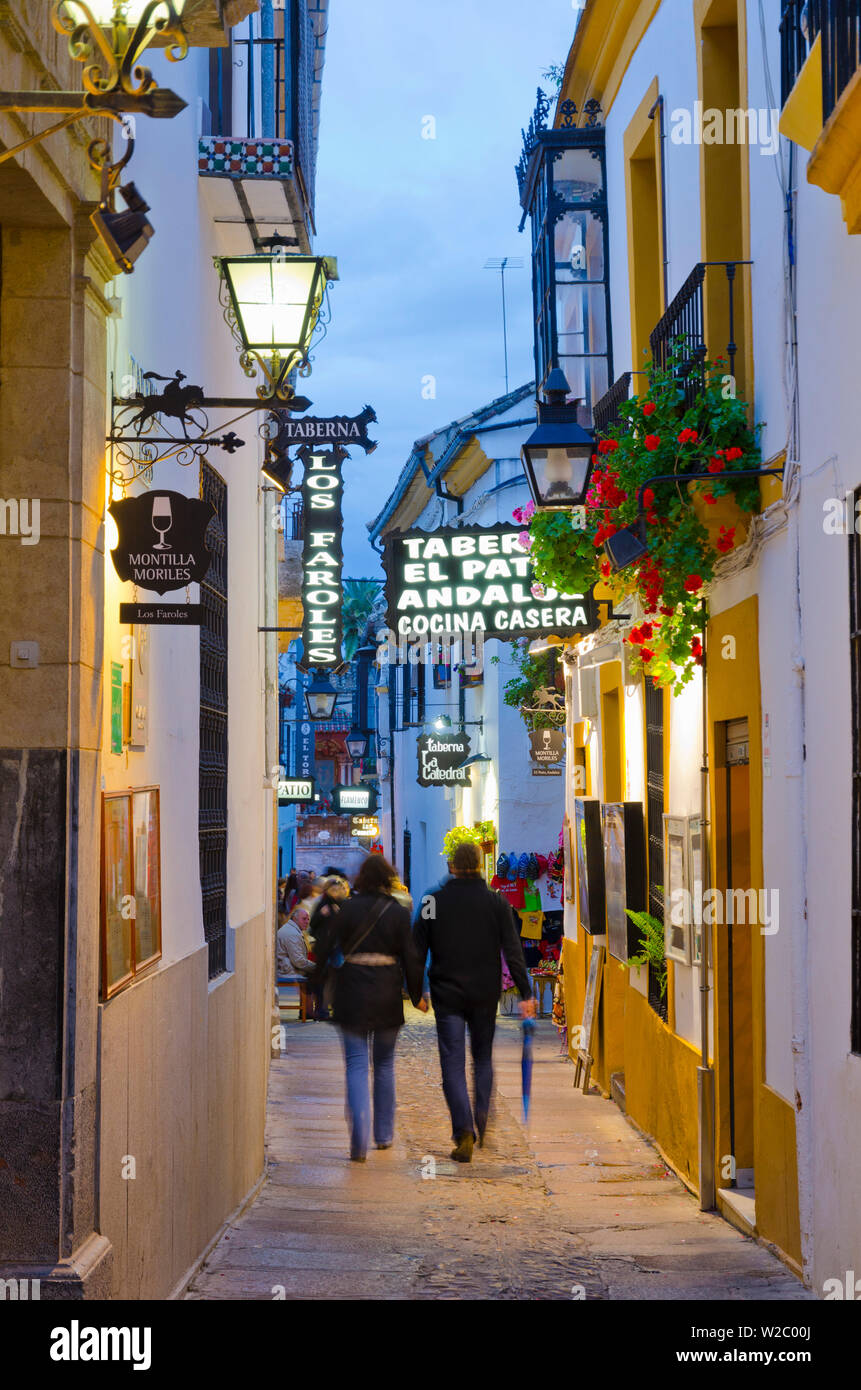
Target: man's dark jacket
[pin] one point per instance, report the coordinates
(368, 997)
(466, 926)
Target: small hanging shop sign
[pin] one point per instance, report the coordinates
(161, 547)
(546, 747)
(440, 760)
(295, 791)
(365, 827)
(346, 430)
(361, 800)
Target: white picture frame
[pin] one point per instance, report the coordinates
(677, 898)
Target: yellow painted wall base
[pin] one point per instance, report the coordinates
(661, 1084)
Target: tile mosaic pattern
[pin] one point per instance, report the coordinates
(243, 159)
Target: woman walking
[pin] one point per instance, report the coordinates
(372, 933)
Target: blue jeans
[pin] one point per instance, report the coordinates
(451, 1037)
(356, 1050)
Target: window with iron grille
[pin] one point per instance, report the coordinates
(855, 653)
(655, 822)
(212, 776)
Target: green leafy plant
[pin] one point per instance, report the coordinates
(360, 595)
(460, 835)
(657, 434)
(651, 950)
(533, 674)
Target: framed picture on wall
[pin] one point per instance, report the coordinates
(696, 851)
(131, 886)
(624, 874)
(117, 894)
(590, 864)
(677, 900)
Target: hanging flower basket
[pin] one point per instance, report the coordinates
(689, 525)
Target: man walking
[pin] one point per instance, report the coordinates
(466, 926)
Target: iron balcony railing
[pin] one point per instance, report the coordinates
(838, 22)
(265, 105)
(682, 328)
(295, 528)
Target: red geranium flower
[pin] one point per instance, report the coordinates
(646, 629)
(715, 465)
(649, 408)
(734, 453)
(635, 636)
(667, 611)
(648, 497)
(608, 446)
(696, 646)
(693, 582)
(652, 441)
(726, 539)
(709, 500)
(646, 654)
(688, 437)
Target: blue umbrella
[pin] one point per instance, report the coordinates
(528, 1025)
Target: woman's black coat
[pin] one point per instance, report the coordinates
(368, 997)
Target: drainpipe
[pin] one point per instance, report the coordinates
(659, 107)
(705, 1073)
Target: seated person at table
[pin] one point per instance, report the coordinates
(291, 951)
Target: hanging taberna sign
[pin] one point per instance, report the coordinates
(322, 558)
(162, 546)
(474, 579)
(440, 758)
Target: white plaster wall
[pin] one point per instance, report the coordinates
(171, 319)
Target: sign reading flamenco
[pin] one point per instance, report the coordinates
(474, 579)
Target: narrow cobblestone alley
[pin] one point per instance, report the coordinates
(580, 1205)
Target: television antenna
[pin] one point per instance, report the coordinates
(502, 264)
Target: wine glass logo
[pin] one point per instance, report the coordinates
(162, 520)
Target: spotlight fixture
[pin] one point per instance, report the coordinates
(441, 722)
(544, 644)
(125, 234)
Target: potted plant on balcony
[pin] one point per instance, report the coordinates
(685, 531)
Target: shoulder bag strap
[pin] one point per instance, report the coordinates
(370, 924)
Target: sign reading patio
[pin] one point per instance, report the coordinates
(474, 579)
(144, 557)
(294, 791)
(440, 760)
(322, 557)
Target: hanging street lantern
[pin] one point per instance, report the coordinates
(357, 743)
(273, 307)
(320, 696)
(557, 456)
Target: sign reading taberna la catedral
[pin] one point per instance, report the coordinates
(474, 579)
(440, 760)
(322, 557)
(161, 547)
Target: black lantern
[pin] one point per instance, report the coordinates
(320, 696)
(563, 191)
(557, 456)
(357, 743)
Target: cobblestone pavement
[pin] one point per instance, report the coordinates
(577, 1206)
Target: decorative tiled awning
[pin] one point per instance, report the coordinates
(252, 190)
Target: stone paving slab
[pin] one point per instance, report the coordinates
(576, 1201)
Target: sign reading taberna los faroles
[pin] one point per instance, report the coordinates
(161, 547)
(474, 579)
(322, 557)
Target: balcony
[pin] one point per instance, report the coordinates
(705, 294)
(258, 150)
(820, 51)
